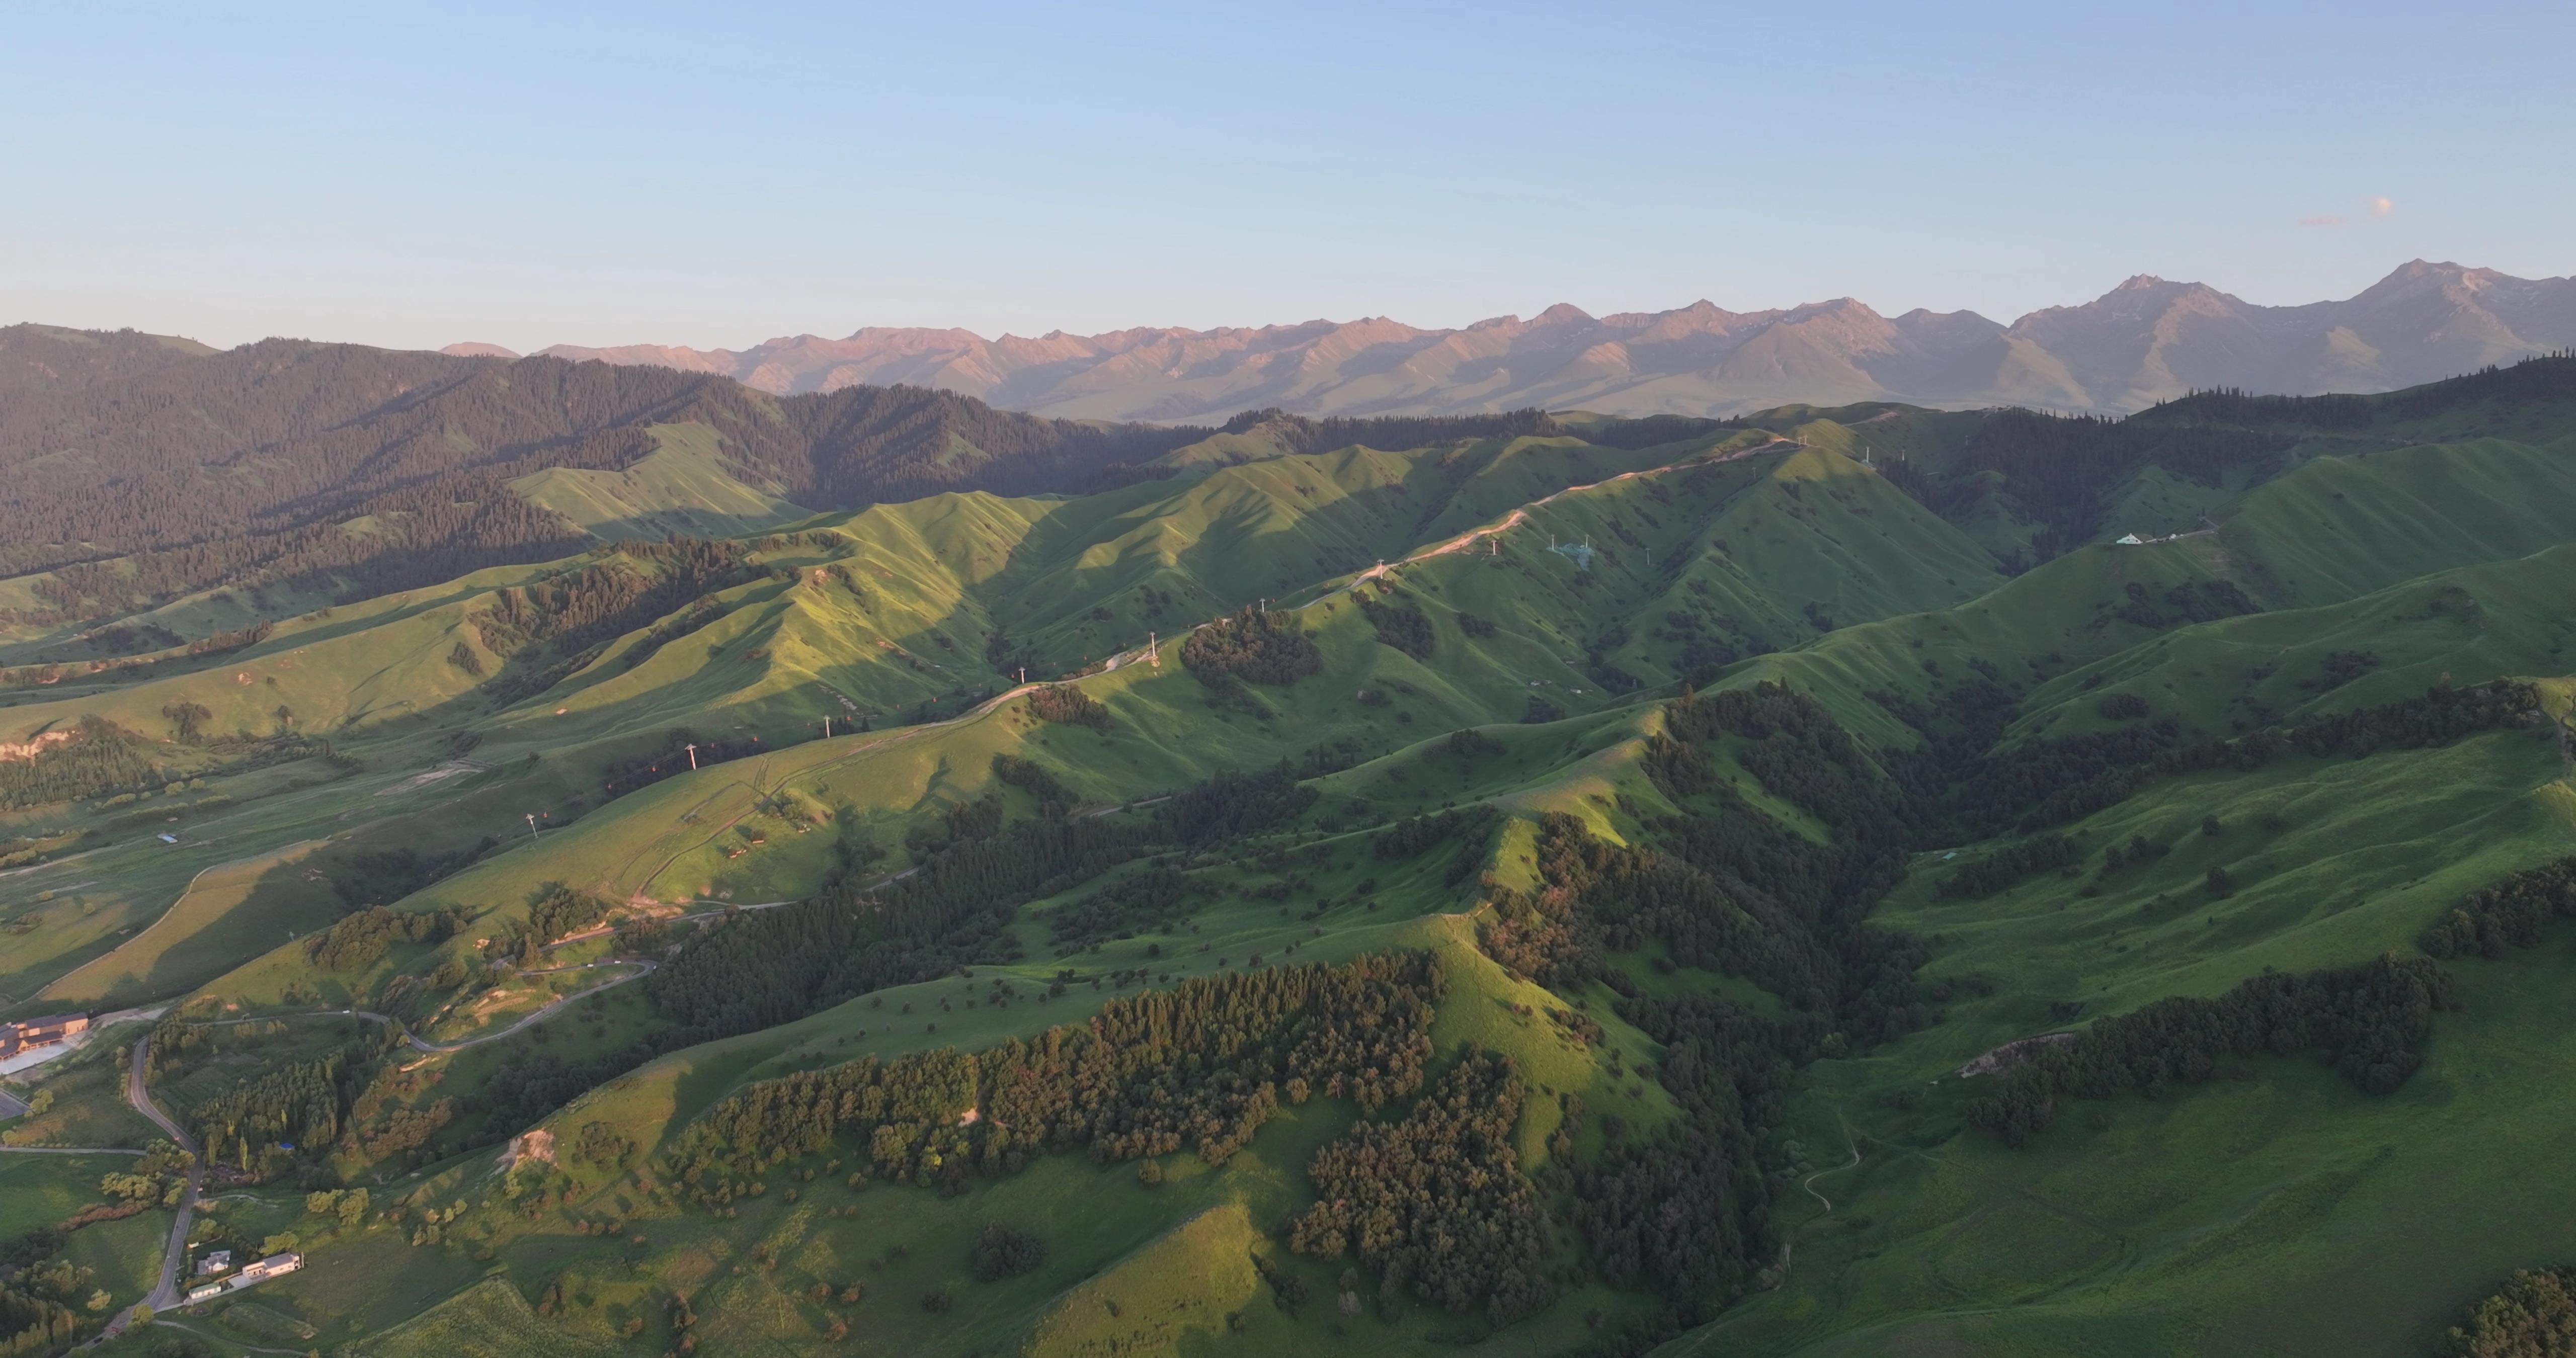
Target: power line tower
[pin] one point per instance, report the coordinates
(693, 758)
(1153, 653)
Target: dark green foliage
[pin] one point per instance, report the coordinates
(1001, 1252)
(756, 970)
(2059, 471)
(300, 1105)
(1474, 626)
(2122, 707)
(2369, 1022)
(1202, 1065)
(1437, 1201)
(561, 910)
(2055, 782)
(1231, 805)
(1687, 1214)
(2532, 1315)
(1067, 703)
(100, 758)
(572, 614)
(383, 876)
(36, 1315)
(1145, 902)
(2507, 914)
(360, 939)
(464, 658)
(2005, 866)
(1252, 646)
(1054, 798)
(1401, 626)
(423, 444)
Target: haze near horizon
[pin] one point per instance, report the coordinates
(573, 179)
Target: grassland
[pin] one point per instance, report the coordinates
(2252, 1214)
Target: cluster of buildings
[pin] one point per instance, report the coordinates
(32, 1034)
(218, 1262)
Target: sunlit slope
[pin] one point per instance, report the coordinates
(2338, 527)
(684, 488)
(333, 669)
(2297, 543)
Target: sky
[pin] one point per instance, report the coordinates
(714, 176)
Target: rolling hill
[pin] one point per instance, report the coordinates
(1799, 885)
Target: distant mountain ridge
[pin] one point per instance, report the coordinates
(2144, 341)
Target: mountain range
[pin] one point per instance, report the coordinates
(2147, 340)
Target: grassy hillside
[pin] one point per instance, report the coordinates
(1962, 771)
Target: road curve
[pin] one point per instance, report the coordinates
(543, 1011)
(174, 1255)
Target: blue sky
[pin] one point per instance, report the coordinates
(690, 175)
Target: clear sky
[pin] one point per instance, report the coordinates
(716, 175)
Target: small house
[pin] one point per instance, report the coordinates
(270, 1267)
(215, 1261)
(205, 1292)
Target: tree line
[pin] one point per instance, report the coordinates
(2369, 1022)
(755, 970)
(1199, 1066)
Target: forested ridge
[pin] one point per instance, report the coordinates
(1199, 1066)
(953, 910)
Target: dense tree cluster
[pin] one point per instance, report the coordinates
(1261, 646)
(1032, 777)
(360, 938)
(2057, 470)
(2368, 1021)
(1004, 1252)
(1399, 625)
(100, 759)
(2505, 914)
(560, 910)
(1686, 1213)
(1067, 703)
(2045, 783)
(296, 1107)
(1201, 1065)
(954, 909)
(364, 937)
(1436, 1201)
(572, 614)
(1231, 805)
(1141, 903)
(2531, 1315)
(37, 1309)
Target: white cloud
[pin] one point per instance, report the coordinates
(2379, 207)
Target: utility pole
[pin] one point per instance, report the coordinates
(1024, 674)
(827, 726)
(1153, 651)
(693, 759)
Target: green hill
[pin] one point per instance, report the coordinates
(1538, 890)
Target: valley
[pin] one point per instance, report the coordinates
(870, 872)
